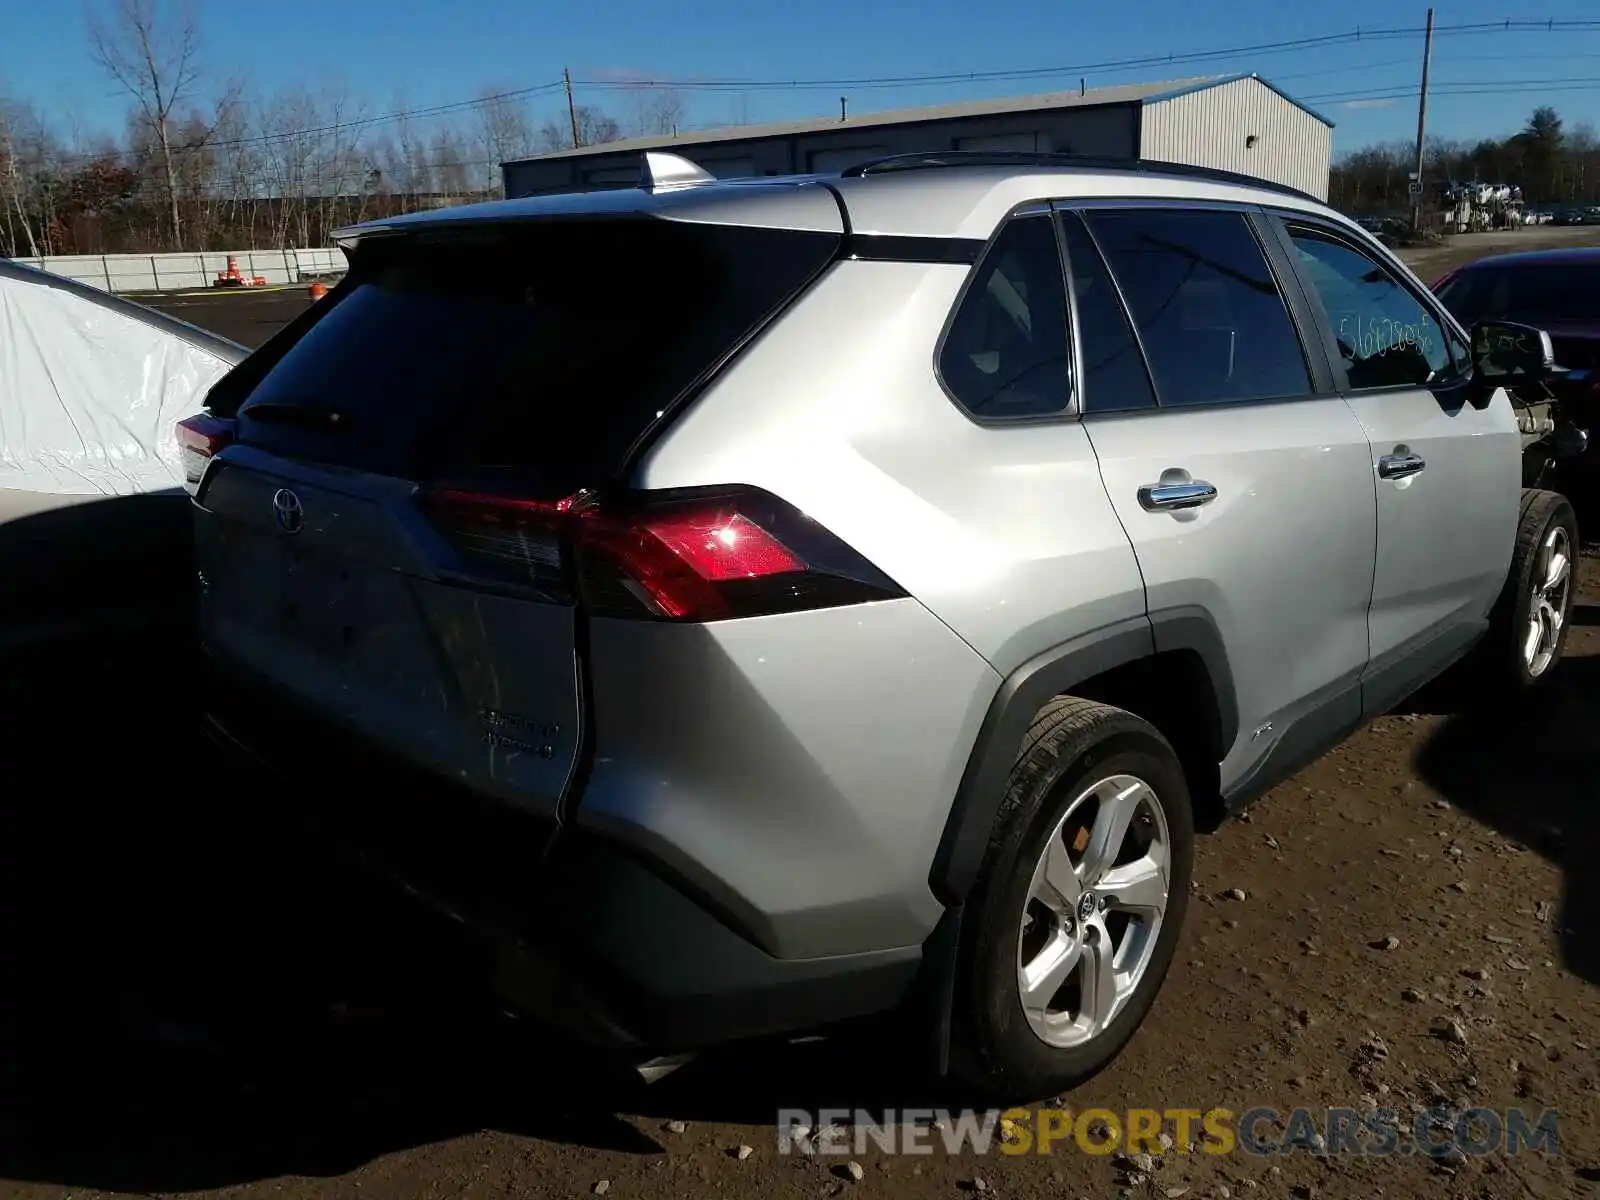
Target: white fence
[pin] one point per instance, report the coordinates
(179, 272)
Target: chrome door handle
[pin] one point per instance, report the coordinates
(1173, 497)
(1399, 466)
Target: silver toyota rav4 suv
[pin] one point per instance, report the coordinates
(761, 604)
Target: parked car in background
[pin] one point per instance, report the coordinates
(1557, 290)
(95, 534)
(758, 604)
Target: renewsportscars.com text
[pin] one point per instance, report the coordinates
(1257, 1131)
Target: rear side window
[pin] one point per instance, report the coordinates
(1005, 353)
(1212, 320)
(1114, 375)
(539, 351)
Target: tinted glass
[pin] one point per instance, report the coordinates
(1531, 294)
(1385, 337)
(1005, 354)
(1114, 375)
(1209, 313)
(541, 351)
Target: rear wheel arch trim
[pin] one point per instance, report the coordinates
(1192, 628)
(1032, 685)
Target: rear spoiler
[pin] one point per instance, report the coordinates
(658, 172)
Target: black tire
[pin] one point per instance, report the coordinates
(1503, 652)
(1070, 744)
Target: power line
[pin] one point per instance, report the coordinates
(1458, 88)
(1323, 41)
(1351, 37)
(355, 123)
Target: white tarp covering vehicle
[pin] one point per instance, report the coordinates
(91, 387)
(94, 521)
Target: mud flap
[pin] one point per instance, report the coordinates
(933, 996)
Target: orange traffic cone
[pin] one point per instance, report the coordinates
(231, 277)
(318, 291)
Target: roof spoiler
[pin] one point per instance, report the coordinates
(663, 172)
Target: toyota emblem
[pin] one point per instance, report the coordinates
(287, 512)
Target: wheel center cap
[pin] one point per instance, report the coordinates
(1086, 903)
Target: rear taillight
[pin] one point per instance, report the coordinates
(702, 556)
(508, 538)
(200, 439)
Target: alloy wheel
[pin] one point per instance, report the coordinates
(1096, 901)
(1552, 590)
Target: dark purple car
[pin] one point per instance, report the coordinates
(1557, 291)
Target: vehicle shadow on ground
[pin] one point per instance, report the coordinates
(1530, 770)
(197, 999)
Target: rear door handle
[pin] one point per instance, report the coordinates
(1400, 466)
(1173, 497)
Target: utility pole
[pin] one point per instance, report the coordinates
(572, 109)
(1422, 124)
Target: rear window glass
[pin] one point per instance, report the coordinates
(1006, 353)
(1114, 376)
(542, 351)
(1207, 308)
(1526, 293)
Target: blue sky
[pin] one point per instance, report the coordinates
(414, 53)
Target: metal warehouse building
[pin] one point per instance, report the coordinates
(1236, 122)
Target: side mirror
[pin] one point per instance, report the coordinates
(1508, 355)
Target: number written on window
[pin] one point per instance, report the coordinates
(1384, 335)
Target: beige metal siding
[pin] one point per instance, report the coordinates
(1209, 128)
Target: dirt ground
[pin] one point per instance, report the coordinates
(200, 1003)
(1431, 263)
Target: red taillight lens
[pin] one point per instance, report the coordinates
(678, 557)
(675, 562)
(200, 439)
(720, 545)
(511, 538)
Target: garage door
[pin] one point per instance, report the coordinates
(1007, 143)
(625, 176)
(729, 168)
(831, 162)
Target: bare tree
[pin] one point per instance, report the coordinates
(13, 178)
(594, 127)
(449, 162)
(149, 47)
(504, 133)
(656, 112)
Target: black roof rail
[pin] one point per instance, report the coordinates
(1082, 162)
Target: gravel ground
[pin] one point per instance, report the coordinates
(201, 1003)
(1431, 263)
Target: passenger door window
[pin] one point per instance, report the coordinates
(1384, 335)
(1213, 323)
(1005, 354)
(1114, 374)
